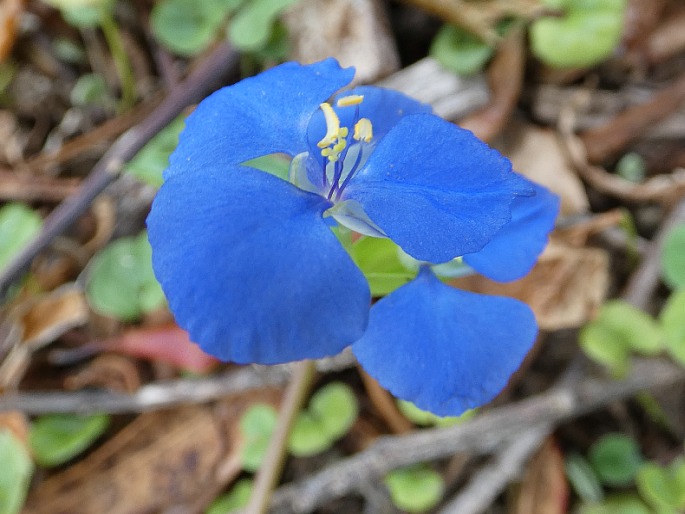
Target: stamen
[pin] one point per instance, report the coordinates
(363, 130)
(346, 101)
(332, 126)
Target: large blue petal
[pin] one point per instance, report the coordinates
(444, 349)
(251, 269)
(435, 189)
(264, 114)
(383, 107)
(514, 250)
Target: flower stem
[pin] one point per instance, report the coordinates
(122, 64)
(270, 471)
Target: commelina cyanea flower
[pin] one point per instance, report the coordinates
(253, 271)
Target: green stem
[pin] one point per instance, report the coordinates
(115, 42)
(270, 471)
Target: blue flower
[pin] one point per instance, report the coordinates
(253, 271)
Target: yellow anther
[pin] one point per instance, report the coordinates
(343, 132)
(339, 146)
(326, 152)
(363, 130)
(346, 101)
(332, 125)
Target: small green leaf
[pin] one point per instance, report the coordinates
(90, 89)
(153, 159)
(619, 329)
(234, 500)
(18, 225)
(619, 504)
(585, 35)
(673, 258)
(275, 164)
(187, 27)
(121, 282)
(460, 51)
(256, 426)
(379, 259)
(672, 320)
(663, 488)
(57, 438)
(415, 489)
(616, 459)
(15, 477)
(631, 167)
(425, 418)
(250, 29)
(308, 437)
(583, 478)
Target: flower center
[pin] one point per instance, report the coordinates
(337, 168)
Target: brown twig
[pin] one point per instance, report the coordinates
(25, 188)
(197, 85)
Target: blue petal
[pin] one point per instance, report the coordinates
(264, 114)
(435, 189)
(515, 248)
(251, 269)
(383, 107)
(444, 349)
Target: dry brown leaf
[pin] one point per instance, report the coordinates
(10, 11)
(544, 489)
(113, 372)
(539, 155)
(564, 289)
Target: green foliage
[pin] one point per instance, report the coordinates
(619, 330)
(90, 89)
(15, 477)
(615, 458)
(663, 487)
(583, 478)
(380, 261)
(83, 13)
(332, 411)
(673, 258)
(18, 225)
(619, 504)
(152, 160)
(415, 489)
(672, 320)
(256, 426)
(234, 500)
(121, 282)
(425, 418)
(275, 164)
(250, 29)
(631, 167)
(460, 51)
(57, 438)
(585, 35)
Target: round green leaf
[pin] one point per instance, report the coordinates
(256, 426)
(631, 167)
(90, 89)
(415, 489)
(460, 51)
(153, 159)
(659, 488)
(672, 319)
(250, 29)
(308, 436)
(673, 258)
(121, 282)
(585, 35)
(620, 504)
(186, 27)
(335, 406)
(615, 458)
(583, 478)
(18, 225)
(57, 438)
(234, 500)
(15, 477)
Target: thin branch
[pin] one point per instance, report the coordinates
(196, 86)
(481, 435)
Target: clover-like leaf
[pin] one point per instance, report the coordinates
(673, 258)
(57, 438)
(256, 426)
(663, 488)
(616, 459)
(250, 28)
(415, 489)
(234, 500)
(149, 163)
(121, 282)
(17, 468)
(672, 318)
(585, 35)
(583, 478)
(380, 261)
(460, 51)
(18, 224)
(619, 504)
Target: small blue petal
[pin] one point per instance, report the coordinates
(251, 269)
(383, 107)
(265, 114)
(515, 248)
(444, 349)
(435, 189)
